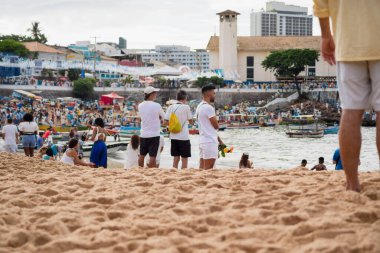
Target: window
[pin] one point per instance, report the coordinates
(250, 74)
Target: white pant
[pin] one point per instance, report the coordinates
(359, 85)
(208, 151)
(10, 148)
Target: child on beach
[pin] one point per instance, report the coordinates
(49, 155)
(132, 153)
(320, 165)
(303, 163)
(245, 162)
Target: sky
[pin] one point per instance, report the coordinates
(144, 23)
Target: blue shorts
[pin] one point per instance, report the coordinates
(29, 141)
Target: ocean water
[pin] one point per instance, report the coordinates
(271, 148)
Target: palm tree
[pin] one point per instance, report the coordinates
(36, 33)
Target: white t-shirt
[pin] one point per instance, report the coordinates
(207, 133)
(10, 132)
(183, 113)
(150, 113)
(131, 157)
(28, 127)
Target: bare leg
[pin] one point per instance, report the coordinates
(176, 162)
(141, 161)
(26, 151)
(31, 152)
(201, 164)
(350, 144)
(152, 162)
(184, 163)
(209, 163)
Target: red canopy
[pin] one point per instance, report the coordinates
(113, 95)
(108, 99)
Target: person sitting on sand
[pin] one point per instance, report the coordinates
(321, 165)
(71, 155)
(132, 153)
(303, 163)
(49, 155)
(245, 162)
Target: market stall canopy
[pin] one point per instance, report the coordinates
(108, 99)
(21, 93)
(113, 95)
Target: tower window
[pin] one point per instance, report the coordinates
(250, 61)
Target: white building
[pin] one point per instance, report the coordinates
(182, 55)
(280, 19)
(240, 57)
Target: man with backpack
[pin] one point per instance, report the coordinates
(177, 116)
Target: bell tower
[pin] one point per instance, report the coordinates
(228, 59)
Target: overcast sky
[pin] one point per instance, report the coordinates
(144, 23)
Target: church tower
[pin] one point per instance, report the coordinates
(228, 58)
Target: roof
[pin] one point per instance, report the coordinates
(228, 12)
(269, 43)
(35, 46)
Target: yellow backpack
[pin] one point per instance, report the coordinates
(175, 126)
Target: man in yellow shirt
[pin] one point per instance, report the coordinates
(355, 48)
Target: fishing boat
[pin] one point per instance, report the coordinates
(331, 130)
(313, 130)
(62, 129)
(305, 134)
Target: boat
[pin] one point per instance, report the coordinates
(331, 130)
(243, 126)
(313, 130)
(62, 129)
(305, 134)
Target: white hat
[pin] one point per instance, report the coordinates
(150, 89)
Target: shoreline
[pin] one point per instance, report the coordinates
(51, 207)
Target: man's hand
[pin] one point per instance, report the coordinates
(328, 49)
(328, 45)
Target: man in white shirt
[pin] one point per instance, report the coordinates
(180, 142)
(208, 126)
(151, 114)
(10, 136)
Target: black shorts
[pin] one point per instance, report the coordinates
(149, 146)
(180, 148)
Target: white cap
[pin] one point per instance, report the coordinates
(150, 89)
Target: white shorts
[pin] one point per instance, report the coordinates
(359, 85)
(10, 148)
(208, 151)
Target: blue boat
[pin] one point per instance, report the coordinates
(332, 130)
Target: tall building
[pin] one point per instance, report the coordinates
(122, 43)
(176, 54)
(281, 19)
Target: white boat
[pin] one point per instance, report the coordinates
(306, 134)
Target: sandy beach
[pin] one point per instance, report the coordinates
(49, 207)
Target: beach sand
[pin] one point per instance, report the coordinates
(49, 207)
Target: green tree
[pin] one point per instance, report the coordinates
(16, 37)
(36, 33)
(290, 63)
(73, 74)
(15, 47)
(84, 88)
(214, 80)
